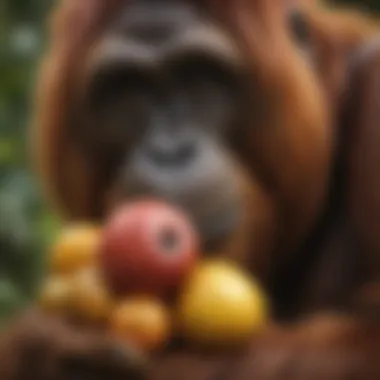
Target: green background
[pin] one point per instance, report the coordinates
(26, 226)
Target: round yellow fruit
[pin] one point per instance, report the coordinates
(221, 305)
(91, 299)
(143, 321)
(75, 248)
(56, 294)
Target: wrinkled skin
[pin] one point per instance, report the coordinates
(291, 174)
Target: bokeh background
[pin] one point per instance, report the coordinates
(26, 223)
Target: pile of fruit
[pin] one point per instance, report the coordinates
(125, 276)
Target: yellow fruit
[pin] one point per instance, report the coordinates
(221, 305)
(56, 294)
(145, 322)
(75, 248)
(91, 299)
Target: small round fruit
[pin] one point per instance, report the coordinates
(75, 248)
(147, 247)
(144, 322)
(91, 299)
(56, 294)
(220, 305)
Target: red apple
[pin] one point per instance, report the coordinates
(147, 246)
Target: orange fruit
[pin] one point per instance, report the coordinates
(75, 248)
(56, 294)
(91, 299)
(221, 305)
(145, 322)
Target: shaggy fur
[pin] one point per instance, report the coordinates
(312, 158)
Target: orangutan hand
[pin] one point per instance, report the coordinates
(38, 347)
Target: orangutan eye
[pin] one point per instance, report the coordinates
(119, 104)
(299, 28)
(210, 87)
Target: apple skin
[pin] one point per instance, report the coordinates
(147, 246)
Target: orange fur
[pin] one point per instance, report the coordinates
(289, 162)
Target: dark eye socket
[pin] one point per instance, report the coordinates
(118, 105)
(299, 28)
(111, 84)
(194, 68)
(210, 85)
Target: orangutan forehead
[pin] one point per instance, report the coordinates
(140, 17)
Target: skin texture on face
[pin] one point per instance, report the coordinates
(170, 107)
(158, 102)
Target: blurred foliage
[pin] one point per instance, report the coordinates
(26, 225)
(25, 222)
